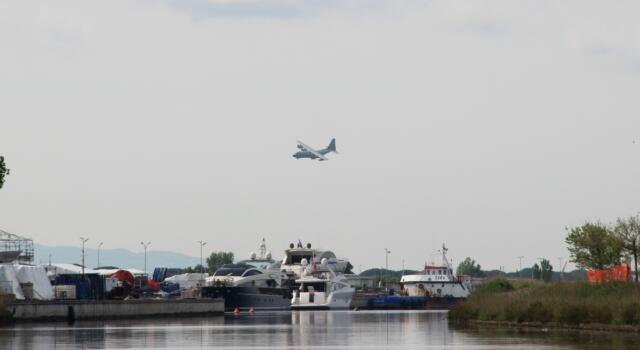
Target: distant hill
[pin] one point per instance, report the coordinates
(383, 272)
(525, 273)
(574, 275)
(113, 257)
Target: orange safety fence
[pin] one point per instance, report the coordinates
(617, 273)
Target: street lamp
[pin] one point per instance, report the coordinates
(145, 245)
(560, 267)
(520, 265)
(201, 245)
(83, 240)
(99, 245)
(386, 265)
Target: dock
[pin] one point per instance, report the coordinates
(70, 310)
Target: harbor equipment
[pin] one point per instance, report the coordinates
(15, 247)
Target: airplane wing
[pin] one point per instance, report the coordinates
(312, 151)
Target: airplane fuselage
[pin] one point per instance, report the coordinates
(304, 154)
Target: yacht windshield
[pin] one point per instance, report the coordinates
(232, 270)
(296, 259)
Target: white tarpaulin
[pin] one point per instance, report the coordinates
(37, 276)
(67, 269)
(187, 280)
(9, 281)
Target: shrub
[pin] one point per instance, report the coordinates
(538, 312)
(600, 314)
(462, 313)
(514, 312)
(498, 285)
(572, 314)
(631, 314)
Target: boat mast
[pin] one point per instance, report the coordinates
(445, 261)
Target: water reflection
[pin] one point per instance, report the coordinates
(301, 329)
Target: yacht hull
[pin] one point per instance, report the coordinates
(245, 298)
(335, 301)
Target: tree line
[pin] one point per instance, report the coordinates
(593, 245)
(214, 261)
(599, 246)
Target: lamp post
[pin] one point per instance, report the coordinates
(386, 265)
(145, 245)
(83, 240)
(520, 265)
(201, 245)
(99, 245)
(560, 267)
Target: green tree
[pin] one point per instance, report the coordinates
(196, 269)
(628, 231)
(546, 270)
(469, 267)
(536, 273)
(594, 246)
(349, 268)
(4, 171)
(217, 259)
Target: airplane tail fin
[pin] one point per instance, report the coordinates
(332, 146)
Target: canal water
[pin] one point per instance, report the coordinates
(301, 330)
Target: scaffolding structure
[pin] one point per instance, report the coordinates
(14, 243)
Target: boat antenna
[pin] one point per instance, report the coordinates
(445, 261)
(263, 249)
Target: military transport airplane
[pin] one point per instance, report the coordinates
(308, 152)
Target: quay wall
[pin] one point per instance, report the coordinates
(361, 301)
(102, 309)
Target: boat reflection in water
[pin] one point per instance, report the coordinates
(300, 329)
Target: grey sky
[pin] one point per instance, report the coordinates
(488, 125)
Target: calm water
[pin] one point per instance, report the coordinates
(300, 330)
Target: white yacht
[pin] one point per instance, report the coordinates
(293, 257)
(437, 281)
(321, 288)
(256, 283)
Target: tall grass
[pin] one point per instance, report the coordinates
(570, 303)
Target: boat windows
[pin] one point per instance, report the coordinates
(297, 259)
(252, 273)
(232, 270)
(313, 287)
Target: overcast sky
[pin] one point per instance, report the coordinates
(487, 125)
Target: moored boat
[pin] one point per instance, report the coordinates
(437, 282)
(321, 289)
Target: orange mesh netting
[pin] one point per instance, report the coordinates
(616, 273)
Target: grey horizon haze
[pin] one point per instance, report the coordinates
(489, 126)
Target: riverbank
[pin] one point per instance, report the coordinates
(576, 305)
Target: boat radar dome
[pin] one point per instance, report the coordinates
(291, 245)
(324, 262)
(268, 255)
(304, 262)
(308, 245)
(252, 256)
